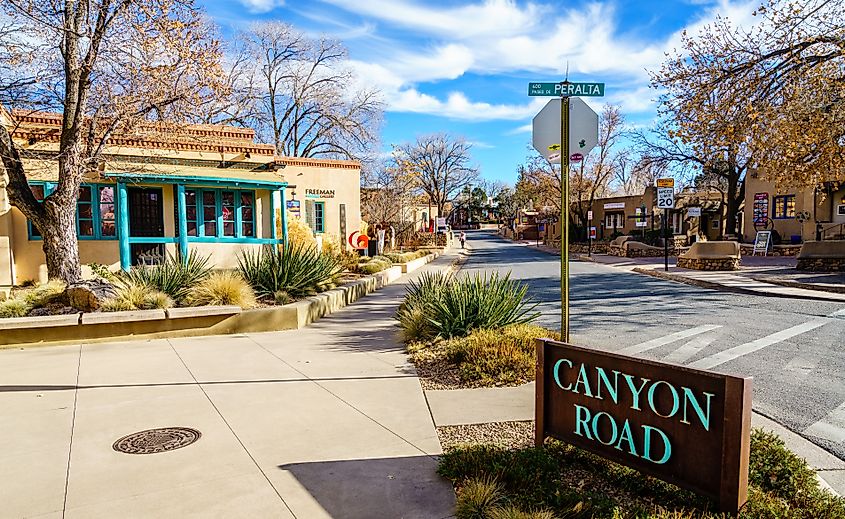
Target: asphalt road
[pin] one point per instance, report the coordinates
(795, 349)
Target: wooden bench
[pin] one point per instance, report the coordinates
(711, 255)
(822, 256)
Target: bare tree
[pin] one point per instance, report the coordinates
(387, 191)
(441, 164)
(305, 96)
(107, 66)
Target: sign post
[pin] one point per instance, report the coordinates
(665, 201)
(686, 426)
(592, 234)
(586, 129)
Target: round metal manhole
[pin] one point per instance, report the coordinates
(152, 441)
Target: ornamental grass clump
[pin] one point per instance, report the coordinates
(222, 288)
(14, 308)
(136, 296)
(44, 294)
(298, 269)
(173, 276)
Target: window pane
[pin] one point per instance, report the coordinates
(208, 198)
(107, 228)
(246, 213)
(228, 228)
(228, 198)
(209, 213)
(107, 195)
(246, 199)
(247, 229)
(192, 228)
(228, 213)
(191, 211)
(85, 193)
(86, 228)
(190, 197)
(210, 228)
(37, 191)
(85, 212)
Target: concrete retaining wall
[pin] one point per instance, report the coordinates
(197, 321)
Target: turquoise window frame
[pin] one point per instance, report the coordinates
(96, 218)
(48, 187)
(320, 217)
(238, 220)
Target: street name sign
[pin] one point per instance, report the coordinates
(565, 89)
(583, 129)
(686, 426)
(576, 157)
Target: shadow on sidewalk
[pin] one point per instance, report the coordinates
(406, 487)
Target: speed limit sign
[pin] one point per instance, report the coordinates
(665, 193)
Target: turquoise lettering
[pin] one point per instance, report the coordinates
(704, 417)
(627, 436)
(614, 434)
(667, 446)
(613, 390)
(557, 374)
(582, 379)
(579, 421)
(675, 402)
(635, 392)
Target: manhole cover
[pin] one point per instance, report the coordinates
(157, 440)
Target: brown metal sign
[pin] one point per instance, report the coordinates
(688, 427)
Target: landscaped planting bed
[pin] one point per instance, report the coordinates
(497, 474)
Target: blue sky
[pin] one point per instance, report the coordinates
(464, 67)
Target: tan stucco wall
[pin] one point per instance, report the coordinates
(346, 184)
(223, 255)
(819, 208)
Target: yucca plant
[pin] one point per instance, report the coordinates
(414, 312)
(172, 276)
(298, 269)
(486, 302)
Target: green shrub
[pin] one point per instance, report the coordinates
(282, 298)
(458, 306)
(476, 498)
(222, 288)
(297, 269)
(395, 257)
(172, 276)
(44, 294)
(349, 260)
(374, 265)
(102, 271)
(14, 308)
(497, 357)
(413, 314)
(384, 259)
(136, 296)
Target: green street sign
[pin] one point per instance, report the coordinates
(566, 89)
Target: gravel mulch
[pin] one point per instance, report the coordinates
(511, 435)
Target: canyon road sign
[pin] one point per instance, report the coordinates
(583, 129)
(566, 89)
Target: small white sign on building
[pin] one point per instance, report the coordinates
(694, 212)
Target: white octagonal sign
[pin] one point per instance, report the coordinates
(583, 129)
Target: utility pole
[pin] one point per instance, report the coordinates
(564, 209)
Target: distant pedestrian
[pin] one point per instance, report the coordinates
(463, 238)
(380, 233)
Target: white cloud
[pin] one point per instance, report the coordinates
(262, 6)
(525, 128)
(503, 37)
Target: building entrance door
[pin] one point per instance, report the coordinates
(146, 220)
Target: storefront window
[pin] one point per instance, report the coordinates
(784, 206)
(38, 191)
(234, 209)
(107, 219)
(319, 216)
(191, 211)
(228, 214)
(247, 214)
(209, 213)
(85, 212)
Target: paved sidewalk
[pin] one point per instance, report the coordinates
(486, 405)
(327, 421)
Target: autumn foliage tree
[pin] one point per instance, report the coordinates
(108, 67)
(768, 97)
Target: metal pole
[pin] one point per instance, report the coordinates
(665, 242)
(564, 209)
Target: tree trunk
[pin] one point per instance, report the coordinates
(735, 194)
(61, 248)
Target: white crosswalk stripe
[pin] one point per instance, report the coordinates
(840, 314)
(668, 339)
(720, 358)
(831, 427)
(689, 349)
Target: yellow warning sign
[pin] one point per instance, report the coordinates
(554, 147)
(665, 182)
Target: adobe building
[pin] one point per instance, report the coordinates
(204, 188)
(797, 215)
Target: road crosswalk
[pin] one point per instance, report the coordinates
(705, 339)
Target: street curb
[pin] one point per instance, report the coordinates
(798, 284)
(816, 457)
(722, 288)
